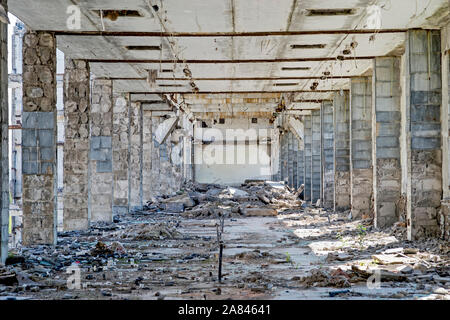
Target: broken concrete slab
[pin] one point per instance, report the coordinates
(164, 129)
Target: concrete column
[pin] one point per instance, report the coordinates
(328, 154)
(135, 146)
(120, 151)
(307, 161)
(295, 152)
(147, 151)
(341, 151)
(316, 166)
(284, 157)
(76, 145)
(39, 138)
(386, 117)
(290, 159)
(423, 132)
(445, 210)
(300, 165)
(361, 147)
(4, 156)
(100, 161)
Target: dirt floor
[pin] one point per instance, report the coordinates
(307, 254)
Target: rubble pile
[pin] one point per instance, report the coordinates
(322, 277)
(252, 198)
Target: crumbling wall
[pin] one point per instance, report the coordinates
(341, 151)
(39, 138)
(101, 177)
(76, 145)
(361, 147)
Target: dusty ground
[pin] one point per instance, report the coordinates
(291, 256)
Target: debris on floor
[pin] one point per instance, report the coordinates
(275, 246)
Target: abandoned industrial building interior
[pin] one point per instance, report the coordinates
(225, 149)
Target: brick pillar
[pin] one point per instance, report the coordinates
(135, 145)
(4, 171)
(316, 166)
(120, 151)
(328, 154)
(386, 117)
(423, 133)
(341, 151)
(76, 144)
(39, 138)
(100, 159)
(307, 162)
(361, 147)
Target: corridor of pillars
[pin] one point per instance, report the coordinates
(378, 149)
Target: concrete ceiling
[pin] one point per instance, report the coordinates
(231, 45)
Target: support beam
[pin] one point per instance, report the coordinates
(77, 109)
(308, 157)
(361, 178)
(39, 139)
(101, 176)
(221, 34)
(386, 117)
(327, 154)
(341, 151)
(423, 132)
(204, 61)
(316, 166)
(4, 155)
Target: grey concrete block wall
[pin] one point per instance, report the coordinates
(100, 155)
(424, 133)
(327, 154)
(39, 138)
(316, 166)
(341, 105)
(4, 156)
(307, 157)
(77, 110)
(386, 127)
(361, 177)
